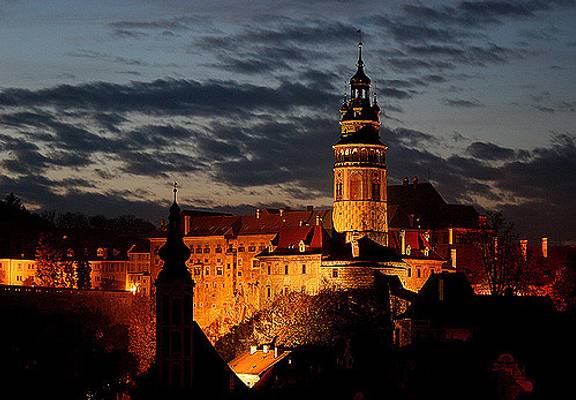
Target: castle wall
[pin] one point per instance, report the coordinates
(290, 273)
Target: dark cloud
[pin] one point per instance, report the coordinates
(462, 103)
(48, 195)
(490, 151)
(171, 97)
(175, 23)
(481, 13)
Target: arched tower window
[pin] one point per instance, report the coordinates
(355, 187)
(376, 190)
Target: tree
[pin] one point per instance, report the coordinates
(507, 267)
(53, 269)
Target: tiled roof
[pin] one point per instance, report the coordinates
(267, 222)
(257, 363)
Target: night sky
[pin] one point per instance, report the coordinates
(104, 103)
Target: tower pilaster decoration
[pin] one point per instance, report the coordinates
(360, 165)
(174, 308)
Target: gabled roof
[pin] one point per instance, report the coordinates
(420, 204)
(287, 241)
(369, 250)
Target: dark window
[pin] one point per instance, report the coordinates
(176, 311)
(409, 272)
(176, 342)
(268, 291)
(285, 270)
(269, 270)
(334, 273)
(303, 268)
(376, 191)
(419, 273)
(240, 248)
(219, 271)
(218, 249)
(339, 187)
(252, 247)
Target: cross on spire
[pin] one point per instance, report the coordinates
(175, 190)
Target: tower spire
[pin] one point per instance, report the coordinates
(175, 191)
(360, 44)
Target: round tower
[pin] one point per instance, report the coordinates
(360, 165)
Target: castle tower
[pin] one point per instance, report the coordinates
(174, 320)
(360, 165)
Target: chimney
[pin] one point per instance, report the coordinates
(450, 235)
(415, 181)
(405, 181)
(258, 213)
(265, 349)
(309, 208)
(355, 248)
(524, 248)
(318, 220)
(453, 257)
(403, 241)
(545, 247)
(253, 349)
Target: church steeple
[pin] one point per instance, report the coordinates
(174, 253)
(174, 309)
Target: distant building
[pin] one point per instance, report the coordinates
(256, 366)
(18, 272)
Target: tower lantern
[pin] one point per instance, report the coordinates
(360, 164)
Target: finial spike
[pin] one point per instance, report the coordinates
(360, 44)
(175, 190)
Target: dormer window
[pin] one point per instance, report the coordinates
(100, 252)
(302, 246)
(426, 251)
(408, 250)
(70, 253)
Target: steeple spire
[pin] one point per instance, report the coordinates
(174, 253)
(360, 62)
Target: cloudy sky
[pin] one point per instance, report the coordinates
(104, 103)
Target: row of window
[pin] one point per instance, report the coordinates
(199, 249)
(419, 272)
(286, 269)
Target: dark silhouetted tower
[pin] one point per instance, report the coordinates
(174, 319)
